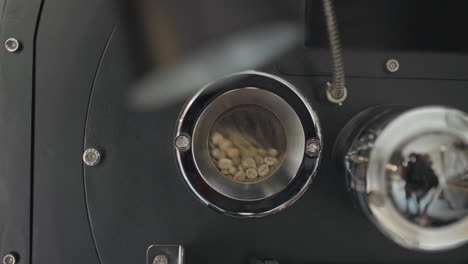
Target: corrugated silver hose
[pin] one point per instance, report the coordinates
(336, 90)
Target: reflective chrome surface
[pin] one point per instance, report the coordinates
(294, 147)
(287, 183)
(428, 179)
(409, 171)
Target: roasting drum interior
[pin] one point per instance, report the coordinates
(247, 143)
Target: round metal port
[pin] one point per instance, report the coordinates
(248, 151)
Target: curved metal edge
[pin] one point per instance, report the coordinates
(380, 214)
(318, 129)
(103, 55)
(284, 205)
(353, 129)
(236, 190)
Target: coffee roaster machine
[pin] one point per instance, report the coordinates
(296, 159)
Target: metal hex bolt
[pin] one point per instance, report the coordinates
(392, 65)
(160, 259)
(334, 97)
(182, 142)
(91, 157)
(313, 147)
(9, 259)
(12, 45)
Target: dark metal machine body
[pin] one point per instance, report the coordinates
(65, 91)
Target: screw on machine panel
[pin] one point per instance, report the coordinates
(165, 254)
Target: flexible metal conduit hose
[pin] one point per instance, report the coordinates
(336, 91)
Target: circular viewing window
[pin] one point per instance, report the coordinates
(247, 143)
(247, 134)
(243, 127)
(428, 185)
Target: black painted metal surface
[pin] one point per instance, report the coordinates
(17, 20)
(371, 64)
(71, 37)
(135, 197)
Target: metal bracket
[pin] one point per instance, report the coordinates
(165, 254)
